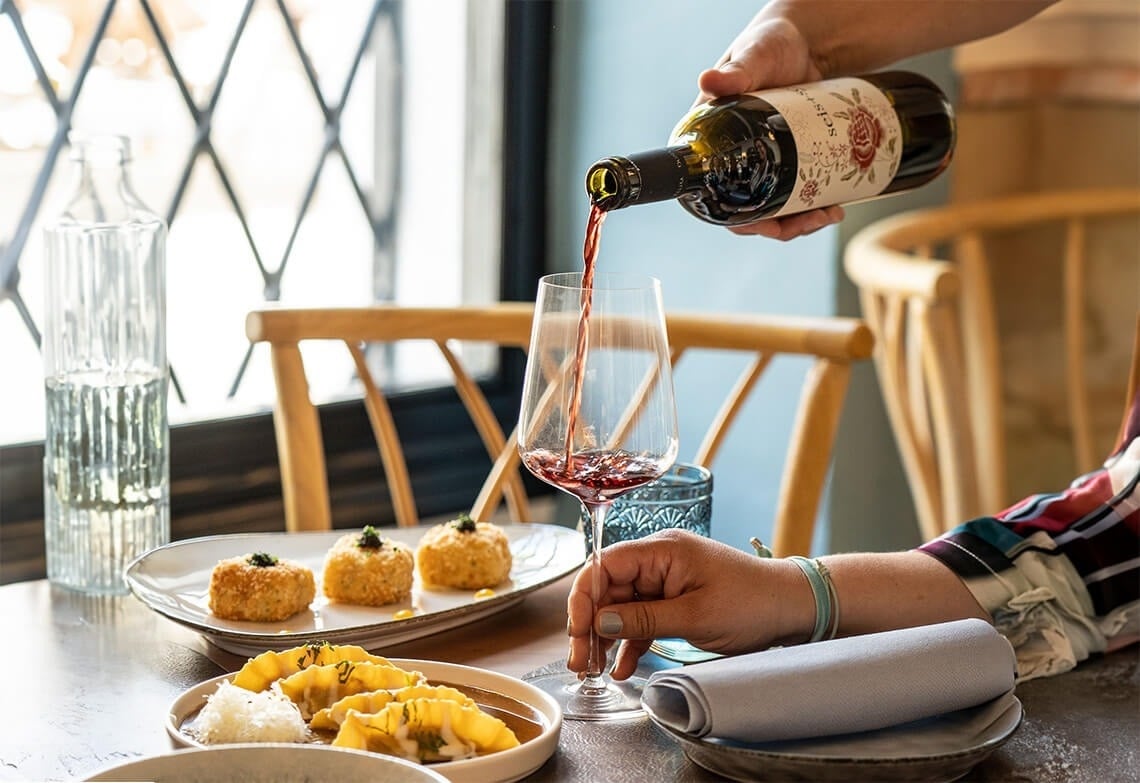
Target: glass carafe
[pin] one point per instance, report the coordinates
(106, 447)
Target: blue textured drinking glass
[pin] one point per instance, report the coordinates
(681, 498)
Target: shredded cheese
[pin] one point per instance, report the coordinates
(233, 714)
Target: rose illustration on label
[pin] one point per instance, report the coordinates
(848, 141)
(865, 134)
(813, 183)
(810, 191)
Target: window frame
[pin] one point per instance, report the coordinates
(236, 488)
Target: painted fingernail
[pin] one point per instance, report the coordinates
(609, 623)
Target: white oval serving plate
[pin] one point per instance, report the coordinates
(174, 580)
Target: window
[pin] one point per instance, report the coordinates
(301, 151)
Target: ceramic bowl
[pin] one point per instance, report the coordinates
(270, 763)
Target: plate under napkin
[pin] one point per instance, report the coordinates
(933, 750)
(842, 686)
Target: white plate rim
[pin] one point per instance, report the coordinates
(176, 758)
(243, 639)
(526, 758)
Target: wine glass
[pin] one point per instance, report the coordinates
(597, 420)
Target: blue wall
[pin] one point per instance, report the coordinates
(625, 71)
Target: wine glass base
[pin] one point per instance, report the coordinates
(614, 700)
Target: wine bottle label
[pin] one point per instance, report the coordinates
(848, 141)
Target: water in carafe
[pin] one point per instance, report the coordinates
(106, 449)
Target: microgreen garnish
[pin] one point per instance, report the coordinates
(262, 560)
(311, 653)
(464, 523)
(430, 743)
(369, 538)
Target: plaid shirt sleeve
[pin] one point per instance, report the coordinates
(1060, 573)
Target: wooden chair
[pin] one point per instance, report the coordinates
(925, 283)
(832, 343)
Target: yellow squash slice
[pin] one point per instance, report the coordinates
(316, 687)
(259, 672)
(444, 692)
(426, 730)
(331, 717)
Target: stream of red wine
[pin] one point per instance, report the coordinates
(589, 263)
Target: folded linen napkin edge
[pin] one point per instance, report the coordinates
(882, 679)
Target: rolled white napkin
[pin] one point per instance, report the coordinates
(854, 684)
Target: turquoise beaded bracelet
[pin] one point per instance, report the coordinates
(821, 594)
(822, 590)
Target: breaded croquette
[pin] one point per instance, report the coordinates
(464, 554)
(260, 587)
(366, 568)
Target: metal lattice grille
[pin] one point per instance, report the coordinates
(380, 30)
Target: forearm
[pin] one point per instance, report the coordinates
(879, 592)
(675, 583)
(854, 36)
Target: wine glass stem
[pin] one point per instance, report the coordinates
(595, 660)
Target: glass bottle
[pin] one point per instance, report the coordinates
(739, 159)
(106, 448)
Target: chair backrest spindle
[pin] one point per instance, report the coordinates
(939, 354)
(831, 344)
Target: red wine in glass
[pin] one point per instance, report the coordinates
(594, 476)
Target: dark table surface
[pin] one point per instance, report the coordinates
(89, 680)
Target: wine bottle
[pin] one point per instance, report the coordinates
(743, 158)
